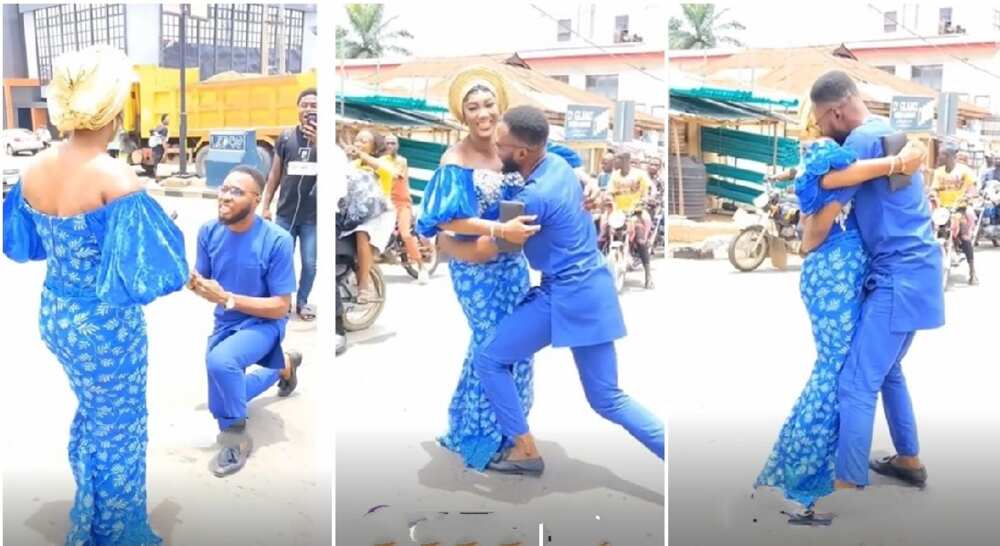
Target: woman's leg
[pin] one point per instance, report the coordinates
(404, 220)
(365, 260)
(970, 256)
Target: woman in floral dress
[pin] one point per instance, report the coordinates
(109, 249)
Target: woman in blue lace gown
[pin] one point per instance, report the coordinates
(109, 249)
(802, 461)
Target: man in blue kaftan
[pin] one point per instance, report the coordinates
(903, 293)
(576, 305)
(244, 265)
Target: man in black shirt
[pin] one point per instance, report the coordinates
(294, 169)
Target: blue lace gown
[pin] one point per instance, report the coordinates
(802, 461)
(102, 266)
(487, 292)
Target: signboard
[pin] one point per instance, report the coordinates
(586, 123)
(912, 114)
(229, 142)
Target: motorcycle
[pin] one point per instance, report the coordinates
(351, 315)
(395, 254)
(945, 233)
(617, 248)
(988, 221)
(771, 229)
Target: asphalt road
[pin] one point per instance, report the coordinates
(282, 496)
(393, 388)
(739, 353)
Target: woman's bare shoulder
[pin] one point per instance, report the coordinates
(452, 156)
(117, 178)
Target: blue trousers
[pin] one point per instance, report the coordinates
(874, 364)
(528, 330)
(305, 235)
(229, 386)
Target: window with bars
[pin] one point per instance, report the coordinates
(232, 38)
(930, 75)
(603, 84)
(889, 22)
(564, 30)
(70, 27)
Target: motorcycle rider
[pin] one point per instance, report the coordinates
(653, 167)
(400, 197)
(991, 172)
(607, 169)
(629, 187)
(367, 154)
(953, 183)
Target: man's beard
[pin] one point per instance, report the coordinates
(237, 217)
(509, 165)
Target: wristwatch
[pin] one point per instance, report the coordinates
(230, 302)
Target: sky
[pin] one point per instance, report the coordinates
(783, 23)
(475, 27)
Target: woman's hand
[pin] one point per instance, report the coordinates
(518, 230)
(911, 157)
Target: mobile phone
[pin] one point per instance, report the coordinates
(891, 145)
(311, 118)
(508, 211)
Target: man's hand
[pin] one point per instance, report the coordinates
(267, 214)
(517, 230)
(310, 132)
(591, 197)
(208, 289)
(912, 157)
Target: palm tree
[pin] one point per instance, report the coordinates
(703, 28)
(369, 36)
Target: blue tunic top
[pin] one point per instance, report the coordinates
(256, 263)
(818, 159)
(585, 308)
(897, 232)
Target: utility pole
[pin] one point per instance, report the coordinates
(185, 12)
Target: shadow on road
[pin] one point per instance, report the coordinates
(562, 475)
(51, 520)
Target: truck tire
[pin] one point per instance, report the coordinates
(199, 161)
(266, 156)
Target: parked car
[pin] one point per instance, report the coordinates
(10, 177)
(44, 135)
(16, 141)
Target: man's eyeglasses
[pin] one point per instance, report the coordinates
(233, 190)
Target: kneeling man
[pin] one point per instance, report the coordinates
(245, 267)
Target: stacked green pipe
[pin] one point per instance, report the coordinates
(754, 147)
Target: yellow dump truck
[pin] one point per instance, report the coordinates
(266, 104)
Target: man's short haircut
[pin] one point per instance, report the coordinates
(527, 124)
(257, 176)
(833, 86)
(306, 93)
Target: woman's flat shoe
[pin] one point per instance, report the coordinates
(809, 518)
(884, 466)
